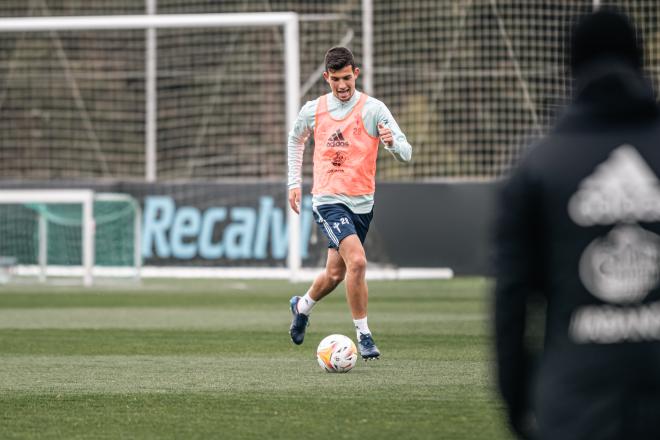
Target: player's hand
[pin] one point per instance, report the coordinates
(385, 135)
(294, 199)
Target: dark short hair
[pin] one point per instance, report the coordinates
(338, 57)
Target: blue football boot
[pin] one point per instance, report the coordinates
(368, 348)
(299, 322)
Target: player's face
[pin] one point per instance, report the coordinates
(342, 81)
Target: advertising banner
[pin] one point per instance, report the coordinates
(243, 224)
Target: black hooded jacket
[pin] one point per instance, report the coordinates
(578, 229)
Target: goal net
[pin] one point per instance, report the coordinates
(69, 233)
(475, 80)
(77, 96)
(178, 101)
(470, 82)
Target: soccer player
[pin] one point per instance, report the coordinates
(348, 126)
(579, 230)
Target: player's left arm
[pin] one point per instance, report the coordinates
(391, 135)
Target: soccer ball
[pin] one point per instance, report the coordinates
(336, 354)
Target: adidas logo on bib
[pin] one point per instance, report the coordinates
(337, 140)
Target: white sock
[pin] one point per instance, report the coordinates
(361, 327)
(305, 304)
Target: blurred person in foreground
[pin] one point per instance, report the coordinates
(578, 230)
(347, 126)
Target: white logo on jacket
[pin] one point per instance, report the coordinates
(621, 189)
(622, 267)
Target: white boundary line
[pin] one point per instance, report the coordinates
(306, 274)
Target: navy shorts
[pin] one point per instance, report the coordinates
(337, 222)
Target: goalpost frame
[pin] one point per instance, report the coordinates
(288, 20)
(86, 198)
(83, 196)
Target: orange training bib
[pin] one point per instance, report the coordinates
(344, 153)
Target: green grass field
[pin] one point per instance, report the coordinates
(213, 359)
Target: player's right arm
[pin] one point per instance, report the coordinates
(302, 129)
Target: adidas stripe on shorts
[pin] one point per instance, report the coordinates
(337, 222)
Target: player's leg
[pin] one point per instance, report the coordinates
(323, 284)
(357, 292)
(355, 259)
(329, 279)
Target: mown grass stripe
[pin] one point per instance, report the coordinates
(200, 360)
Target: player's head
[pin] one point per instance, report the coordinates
(336, 58)
(604, 34)
(341, 72)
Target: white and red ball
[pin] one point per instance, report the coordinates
(336, 354)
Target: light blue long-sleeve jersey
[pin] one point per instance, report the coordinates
(374, 112)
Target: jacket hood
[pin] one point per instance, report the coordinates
(604, 34)
(606, 62)
(610, 87)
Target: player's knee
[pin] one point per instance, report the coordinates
(357, 264)
(336, 276)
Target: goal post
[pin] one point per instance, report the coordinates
(67, 226)
(289, 20)
(133, 206)
(82, 197)
(152, 22)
